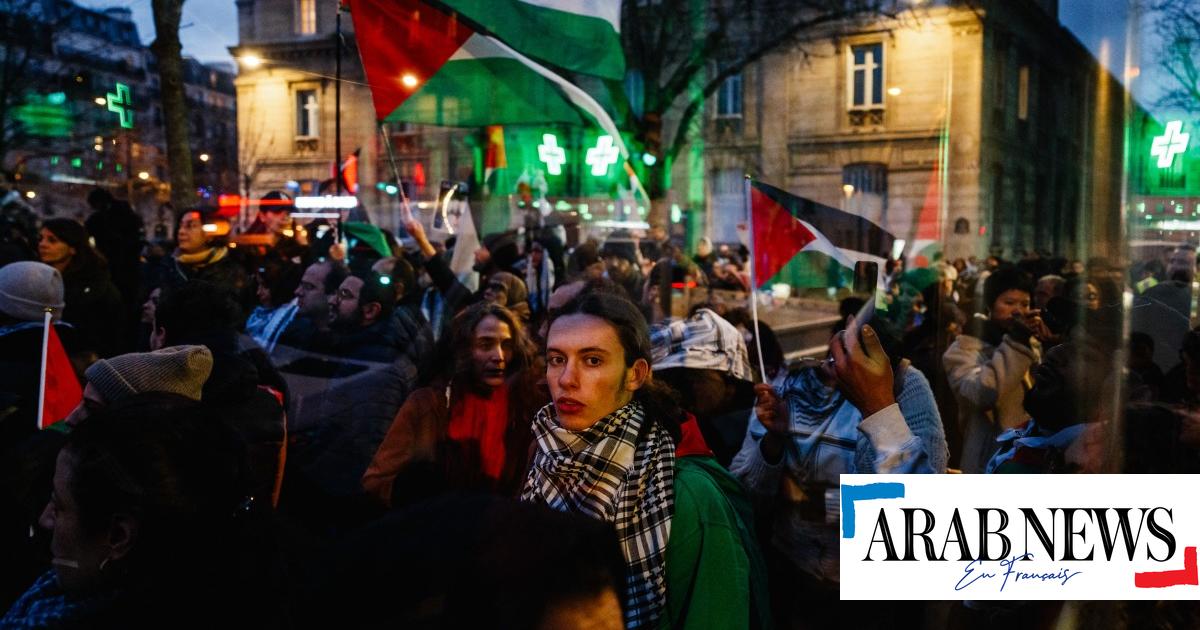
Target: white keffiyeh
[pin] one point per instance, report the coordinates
(620, 470)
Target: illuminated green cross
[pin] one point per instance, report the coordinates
(551, 154)
(1172, 142)
(603, 155)
(120, 103)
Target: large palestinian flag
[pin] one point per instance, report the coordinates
(426, 66)
(578, 35)
(785, 225)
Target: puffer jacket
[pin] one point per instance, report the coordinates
(989, 383)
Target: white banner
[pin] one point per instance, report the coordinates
(1019, 537)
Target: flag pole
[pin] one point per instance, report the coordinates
(42, 374)
(391, 153)
(762, 368)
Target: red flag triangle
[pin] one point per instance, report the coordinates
(62, 392)
(778, 236)
(402, 44)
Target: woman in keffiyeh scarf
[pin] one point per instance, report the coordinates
(607, 448)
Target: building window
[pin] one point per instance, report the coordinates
(306, 17)
(866, 76)
(728, 195)
(308, 114)
(729, 97)
(1023, 93)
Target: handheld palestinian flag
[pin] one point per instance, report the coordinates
(578, 35)
(58, 389)
(785, 225)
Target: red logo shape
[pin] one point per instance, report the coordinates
(1162, 579)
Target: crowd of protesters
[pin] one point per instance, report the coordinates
(324, 425)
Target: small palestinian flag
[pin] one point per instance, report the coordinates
(785, 225)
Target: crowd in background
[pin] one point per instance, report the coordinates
(324, 425)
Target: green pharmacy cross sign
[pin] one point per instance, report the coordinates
(601, 156)
(120, 103)
(551, 154)
(1171, 143)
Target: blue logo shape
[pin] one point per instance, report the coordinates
(850, 494)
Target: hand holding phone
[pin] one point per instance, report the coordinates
(862, 368)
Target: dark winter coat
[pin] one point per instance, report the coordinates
(95, 309)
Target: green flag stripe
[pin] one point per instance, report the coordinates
(488, 91)
(581, 43)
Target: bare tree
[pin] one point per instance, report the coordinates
(169, 53)
(251, 148)
(1177, 25)
(685, 49)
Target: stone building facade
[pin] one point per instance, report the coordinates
(990, 116)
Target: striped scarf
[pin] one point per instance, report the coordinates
(620, 470)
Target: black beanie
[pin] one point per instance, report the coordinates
(1006, 278)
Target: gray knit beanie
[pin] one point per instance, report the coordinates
(28, 288)
(174, 370)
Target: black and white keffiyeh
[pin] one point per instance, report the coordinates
(623, 473)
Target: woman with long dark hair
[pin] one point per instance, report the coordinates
(93, 301)
(469, 430)
(608, 448)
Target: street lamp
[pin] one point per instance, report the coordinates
(100, 100)
(143, 175)
(203, 157)
(251, 60)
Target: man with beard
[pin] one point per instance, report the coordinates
(338, 430)
(360, 316)
(316, 290)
